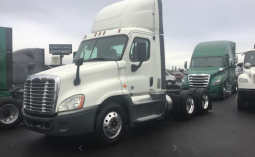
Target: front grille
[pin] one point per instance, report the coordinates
(40, 94)
(198, 80)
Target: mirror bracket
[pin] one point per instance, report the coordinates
(135, 67)
(78, 63)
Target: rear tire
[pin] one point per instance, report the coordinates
(10, 113)
(240, 102)
(110, 124)
(203, 101)
(187, 106)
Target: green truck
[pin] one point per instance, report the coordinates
(212, 66)
(15, 67)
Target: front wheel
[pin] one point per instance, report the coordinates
(110, 124)
(10, 113)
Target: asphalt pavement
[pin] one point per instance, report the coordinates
(224, 131)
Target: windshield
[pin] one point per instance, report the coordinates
(207, 62)
(250, 58)
(102, 49)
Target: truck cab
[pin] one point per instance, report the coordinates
(246, 80)
(212, 66)
(117, 79)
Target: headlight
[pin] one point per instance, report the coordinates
(242, 80)
(183, 82)
(217, 82)
(72, 103)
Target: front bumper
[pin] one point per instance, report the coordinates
(71, 123)
(247, 94)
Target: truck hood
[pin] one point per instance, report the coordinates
(203, 70)
(69, 71)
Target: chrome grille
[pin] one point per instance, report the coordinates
(40, 94)
(198, 80)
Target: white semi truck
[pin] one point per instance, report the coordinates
(246, 81)
(117, 79)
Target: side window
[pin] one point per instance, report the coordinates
(133, 52)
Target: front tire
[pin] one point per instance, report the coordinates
(10, 113)
(240, 102)
(110, 124)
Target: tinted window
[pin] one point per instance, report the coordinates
(102, 49)
(207, 62)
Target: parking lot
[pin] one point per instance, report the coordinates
(224, 131)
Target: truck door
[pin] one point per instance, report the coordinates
(142, 83)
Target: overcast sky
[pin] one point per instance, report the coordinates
(36, 24)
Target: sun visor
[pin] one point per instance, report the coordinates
(130, 13)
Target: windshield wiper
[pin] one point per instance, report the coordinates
(208, 66)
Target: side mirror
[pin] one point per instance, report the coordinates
(74, 53)
(182, 70)
(140, 56)
(240, 65)
(30, 66)
(230, 62)
(185, 64)
(79, 62)
(236, 59)
(141, 52)
(247, 65)
(221, 69)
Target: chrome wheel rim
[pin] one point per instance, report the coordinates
(190, 105)
(9, 113)
(112, 125)
(205, 101)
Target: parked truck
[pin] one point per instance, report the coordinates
(212, 66)
(246, 80)
(15, 67)
(117, 79)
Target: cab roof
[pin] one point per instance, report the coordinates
(145, 14)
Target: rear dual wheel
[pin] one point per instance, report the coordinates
(187, 106)
(203, 100)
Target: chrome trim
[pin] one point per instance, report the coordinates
(198, 80)
(158, 83)
(40, 85)
(169, 102)
(149, 117)
(141, 99)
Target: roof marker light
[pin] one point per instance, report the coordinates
(104, 33)
(119, 30)
(95, 34)
(99, 34)
(85, 37)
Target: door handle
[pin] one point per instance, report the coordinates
(151, 81)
